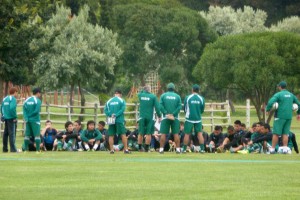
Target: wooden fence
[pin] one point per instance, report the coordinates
(214, 114)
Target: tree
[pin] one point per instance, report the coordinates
(291, 24)
(73, 52)
(252, 63)
(227, 21)
(160, 36)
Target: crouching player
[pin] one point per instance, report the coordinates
(66, 139)
(91, 137)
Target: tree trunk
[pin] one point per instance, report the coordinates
(71, 97)
(82, 100)
(6, 88)
(1, 90)
(228, 96)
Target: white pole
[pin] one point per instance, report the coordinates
(248, 113)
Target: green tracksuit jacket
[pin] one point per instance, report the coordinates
(170, 103)
(116, 106)
(148, 102)
(194, 105)
(9, 107)
(31, 109)
(285, 101)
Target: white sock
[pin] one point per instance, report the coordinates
(178, 149)
(95, 147)
(87, 147)
(271, 149)
(161, 149)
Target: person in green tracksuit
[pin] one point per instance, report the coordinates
(115, 108)
(148, 102)
(91, 137)
(9, 115)
(194, 106)
(31, 113)
(170, 106)
(283, 115)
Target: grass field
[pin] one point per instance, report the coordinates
(98, 175)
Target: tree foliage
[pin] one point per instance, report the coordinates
(73, 51)
(161, 37)
(227, 21)
(290, 24)
(252, 63)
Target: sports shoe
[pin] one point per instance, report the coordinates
(39, 152)
(178, 152)
(243, 151)
(127, 152)
(161, 152)
(273, 152)
(219, 150)
(201, 151)
(112, 152)
(184, 152)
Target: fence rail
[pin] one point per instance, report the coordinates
(214, 114)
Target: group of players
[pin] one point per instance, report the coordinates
(178, 137)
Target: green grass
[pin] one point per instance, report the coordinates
(98, 175)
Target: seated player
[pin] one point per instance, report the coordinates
(78, 130)
(215, 139)
(230, 141)
(67, 138)
(91, 137)
(49, 134)
(101, 127)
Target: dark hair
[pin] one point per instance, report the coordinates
(196, 90)
(260, 123)
(90, 122)
(48, 121)
(267, 126)
(238, 122)
(102, 123)
(13, 90)
(36, 90)
(254, 124)
(230, 128)
(171, 89)
(118, 91)
(78, 122)
(218, 128)
(67, 124)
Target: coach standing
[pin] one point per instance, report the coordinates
(9, 115)
(114, 109)
(283, 115)
(170, 106)
(148, 102)
(31, 112)
(194, 105)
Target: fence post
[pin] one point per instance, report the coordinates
(136, 112)
(96, 113)
(228, 112)
(248, 113)
(23, 127)
(69, 112)
(48, 111)
(1, 128)
(212, 117)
